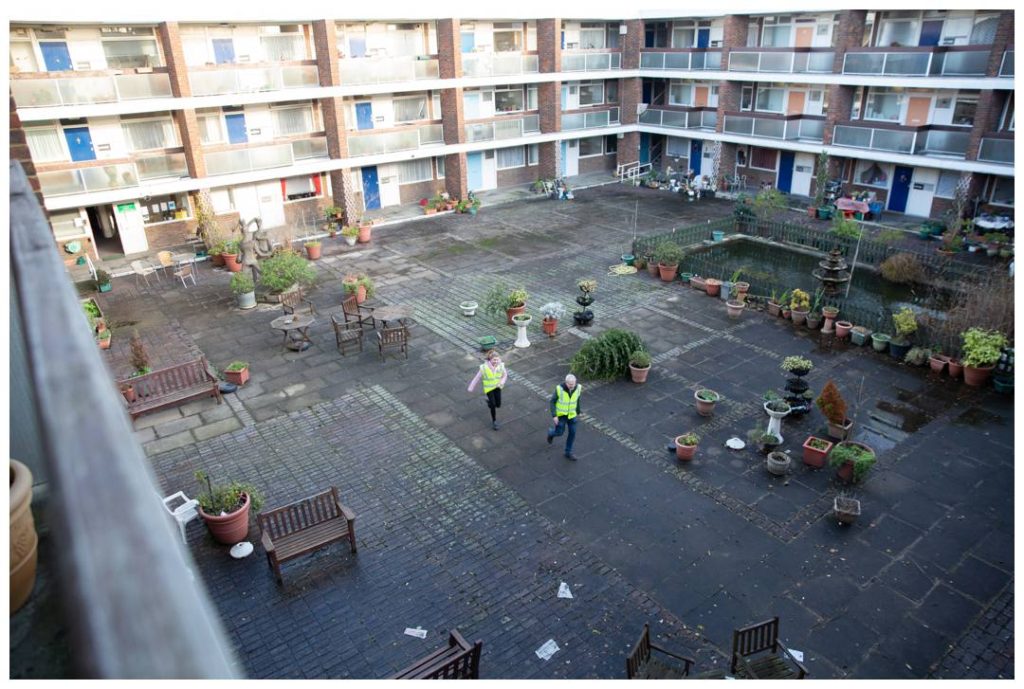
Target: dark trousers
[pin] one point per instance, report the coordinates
(559, 429)
(493, 402)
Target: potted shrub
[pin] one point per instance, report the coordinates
(652, 266)
(766, 440)
(797, 365)
(606, 357)
(775, 303)
(851, 460)
(816, 451)
(283, 270)
(552, 312)
(237, 372)
(706, 400)
(686, 446)
(639, 366)
(817, 207)
(230, 255)
(103, 338)
(955, 367)
(859, 335)
(217, 254)
(332, 214)
(777, 463)
(313, 249)
(917, 356)
(468, 307)
(845, 508)
(982, 349)
(349, 234)
(244, 289)
(799, 305)
(833, 407)
(103, 281)
(225, 508)
(360, 285)
(952, 242)
(500, 299)
(906, 325)
(365, 230)
(668, 255)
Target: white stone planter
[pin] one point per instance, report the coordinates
(775, 425)
(521, 321)
(468, 308)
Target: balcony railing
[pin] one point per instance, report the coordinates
(794, 62)
(590, 120)
(254, 80)
(382, 70)
(894, 140)
(940, 142)
(408, 139)
(996, 151)
(114, 176)
(498, 64)
(699, 60)
(917, 63)
(161, 166)
(503, 129)
(264, 157)
(797, 129)
(585, 61)
(1006, 68)
(38, 93)
(681, 119)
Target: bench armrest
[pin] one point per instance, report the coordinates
(803, 669)
(268, 544)
(345, 511)
(688, 661)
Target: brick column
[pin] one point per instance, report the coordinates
(18, 150)
(734, 35)
(630, 91)
(325, 42)
(188, 123)
(840, 106)
(630, 95)
(549, 45)
(848, 34)
(1003, 39)
(986, 119)
(549, 101)
(729, 93)
(727, 162)
(628, 149)
(453, 120)
(632, 43)
(449, 48)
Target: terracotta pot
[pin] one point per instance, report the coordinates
(231, 262)
(955, 368)
(976, 376)
(313, 251)
(217, 259)
(129, 393)
(229, 528)
(798, 317)
(429, 210)
(667, 273)
(514, 311)
(239, 378)
(712, 287)
(23, 536)
(773, 309)
(813, 321)
(549, 326)
(704, 408)
(735, 308)
(839, 431)
(785, 313)
(843, 329)
(639, 375)
(938, 362)
(814, 457)
(829, 312)
(105, 342)
(741, 288)
(364, 233)
(652, 269)
(359, 292)
(845, 472)
(812, 211)
(685, 452)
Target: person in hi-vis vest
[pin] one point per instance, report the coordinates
(493, 374)
(565, 407)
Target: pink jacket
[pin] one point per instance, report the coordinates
(479, 373)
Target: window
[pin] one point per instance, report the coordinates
(611, 144)
(883, 106)
(531, 98)
(435, 106)
(412, 171)
(1006, 118)
(23, 58)
(508, 38)
(869, 26)
(984, 32)
(677, 147)
(946, 188)
(776, 36)
(591, 146)
(762, 158)
(533, 154)
(592, 36)
(410, 109)
(963, 111)
(511, 157)
(508, 98)
(45, 145)
(299, 188)
(164, 208)
(282, 47)
(684, 36)
(122, 53)
(611, 91)
(1002, 191)
(211, 129)
(591, 93)
(871, 174)
(741, 156)
(747, 98)
(613, 36)
(858, 98)
(680, 93)
(898, 33)
(149, 134)
(439, 164)
(288, 121)
(771, 100)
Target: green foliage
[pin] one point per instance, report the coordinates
(668, 253)
(104, 335)
(862, 459)
(952, 241)
(820, 178)
(241, 283)
(351, 284)
(500, 298)
(917, 356)
(102, 277)
(231, 247)
(237, 366)
(284, 269)
(905, 323)
(705, 395)
(981, 347)
(845, 228)
(903, 268)
(742, 213)
(606, 357)
(332, 212)
(92, 311)
(226, 497)
(312, 244)
(139, 357)
(349, 231)
(517, 298)
(796, 363)
(890, 236)
(800, 300)
(688, 439)
(640, 359)
(769, 203)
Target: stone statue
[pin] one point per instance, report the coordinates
(254, 246)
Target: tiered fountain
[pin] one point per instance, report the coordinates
(795, 397)
(832, 273)
(585, 316)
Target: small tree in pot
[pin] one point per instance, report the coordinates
(905, 324)
(244, 289)
(553, 311)
(982, 349)
(668, 255)
(225, 508)
(852, 461)
(833, 406)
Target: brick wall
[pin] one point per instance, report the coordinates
(325, 42)
(174, 55)
(840, 105)
(519, 175)
(412, 193)
(986, 119)
(449, 49)
(169, 234)
(734, 35)
(1003, 39)
(548, 157)
(632, 43)
(727, 165)
(549, 100)
(297, 213)
(549, 45)
(628, 149)
(630, 93)
(18, 150)
(729, 93)
(456, 182)
(849, 33)
(597, 163)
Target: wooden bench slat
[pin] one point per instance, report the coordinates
(305, 526)
(172, 386)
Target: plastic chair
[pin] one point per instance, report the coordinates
(143, 270)
(183, 513)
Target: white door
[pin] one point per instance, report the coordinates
(130, 227)
(387, 183)
(572, 158)
(490, 170)
(271, 204)
(471, 105)
(803, 170)
(922, 190)
(247, 202)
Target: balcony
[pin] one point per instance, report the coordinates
(161, 166)
(383, 70)
(38, 93)
(942, 143)
(787, 61)
(503, 129)
(681, 119)
(407, 139)
(918, 62)
(264, 157)
(96, 178)
(996, 150)
(498, 64)
(590, 120)
(588, 61)
(691, 60)
(932, 141)
(214, 82)
(808, 129)
(1006, 68)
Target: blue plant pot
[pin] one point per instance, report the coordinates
(717, 235)
(106, 287)
(628, 259)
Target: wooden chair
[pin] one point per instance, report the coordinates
(757, 653)
(294, 300)
(389, 339)
(347, 335)
(355, 312)
(641, 664)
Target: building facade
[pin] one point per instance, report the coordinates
(127, 123)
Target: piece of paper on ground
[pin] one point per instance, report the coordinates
(547, 650)
(563, 590)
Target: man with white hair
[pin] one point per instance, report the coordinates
(565, 407)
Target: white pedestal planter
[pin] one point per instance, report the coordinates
(775, 424)
(521, 321)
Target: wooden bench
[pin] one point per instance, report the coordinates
(305, 526)
(757, 653)
(171, 386)
(642, 663)
(458, 660)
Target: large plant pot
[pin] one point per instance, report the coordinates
(705, 408)
(845, 472)
(652, 269)
(846, 510)
(217, 260)
(798, 317)
(712, 287)
(976, 376)
(246, 300)
(879, 341)
(774, 309)
(735, 308)
(938, 362)
(859, 336)
(239, 378)
(639, 375)
(698, 283)
(955, 368)
(813, 457)
(898, 350)
(364, 233)
(313, 251)
(23, 536)
(229, 528)
(777, 463)
(231, 262)
(685, 452)
(843, 329)
(468, 308)
(514, 311)
(813, 321)
(359, 291)
(667, 273)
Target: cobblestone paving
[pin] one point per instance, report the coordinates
(986, 650)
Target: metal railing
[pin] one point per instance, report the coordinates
(129, 597)
(800, 129)
(700, 60)
(114, 176)
(996, 151)
(408, 139)
(39, 93)
(503, 129)
(498, 64)
(1006, 66)
(252, 80)
(795, 62)
(380, 70)
(893, 140)
(585, 61)
(589, 120)
(264, 157)
(681, 119)
(888, 63)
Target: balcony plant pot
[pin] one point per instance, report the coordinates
(667, 272)
(815, 456)
(938, 362)
(898, 349)
(24, 540)
(684, 452)
(976, 376)
(846, 510)
(128, 390)
(639, 374)
(840, 431)
(706, 407)
(717, 235)
(352, 286)
(104, 339)
(712, 287)
(549, 326)
(859, 335)
(628, 259)
(349, 239)
(843, 329)
(468, 308)
(231, 262)
(365, 230)
(812, 212)
(217, 260)
(735, 308)
(879, 341)
(429, 210)
(785, 313)
(813, 320)
(239, 377)
(777, 463)
(798, 317)
(774, 309)
(955, 368)
(229, 528)
(514, 311)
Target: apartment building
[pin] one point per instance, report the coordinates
(126, 123)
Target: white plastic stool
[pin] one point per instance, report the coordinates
(183, 513)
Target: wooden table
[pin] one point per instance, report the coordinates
(297, 324)
(394, 312)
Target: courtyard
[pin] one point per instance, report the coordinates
(463, 526)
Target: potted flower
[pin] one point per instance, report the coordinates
(906, 325)
(797, 365)
(360, 285)
(851, 460)
(245, 290)
(639, 365)
(767, 440)
(982, 349)
(775, 303)
(500, 299)
(799, 305)
(515, 303)
(859, 335)
(103, 338)
(816, 451)
(225, 508)
(686, 446)
(553, 311)
(365, 230)
(217, 254)
(468, 308)
(313, 249)
(833, 406)
(103, 280)
(332, 214)
(230, 255)
(706, 400)
(777, 463)
(237, 372)
(349, 234)
(845, 508)
(668, 255)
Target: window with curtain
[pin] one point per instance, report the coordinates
(439, 164)
(984, 31)
(677, 147)
(964, 110)
(149, 134)
(410, 109)
(591, 146)
(883, 106)
(511, 157)
(747, 98)
(507, 39)
(1002, 191)
(299, 188)
(531, 97)
(612, 31)
(288, 121)
(131, 53)
(946, 187)
(435, 106)
(611, 91)
(898, 33)
(591, 93)
(508, 98)
(871, 174)
(684, 37)
(771, 100)
(281, 48)
(45, 145)
(211, 129)
(680, 93)
(412, 171)
(532, 154)
(762, 158)
(776, 36)
(592, 36)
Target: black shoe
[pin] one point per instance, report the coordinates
(570, 456)
(494, 425)
(550, 438)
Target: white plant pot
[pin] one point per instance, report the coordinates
(468, 308)
(521, 322)
(351, 241)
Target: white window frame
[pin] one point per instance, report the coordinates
(168, 127)
(405, 165)
(758, 101)
(594, 83)
(509, 89)
(394, 110)
(522, 152)
(439, 166)
(992, 191)
(938, 184)
(599, 139)
(679, 83)
(532, 154)
(873, 93)
(61, 140)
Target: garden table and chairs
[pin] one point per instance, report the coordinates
(296, 330)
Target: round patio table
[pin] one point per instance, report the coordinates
(294, 325)
(394, 312)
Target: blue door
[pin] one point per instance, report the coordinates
(56, 57)
(357, 46)
(237, 133)
(371, 192)
(645, 148)
(785, 180)
(364, 115)
(223, 51)
(475, 168)
(646, 97)
(467, 41)
(80, 143)
(900, 188)
(696, 147)
(931, 32)
(703, 38)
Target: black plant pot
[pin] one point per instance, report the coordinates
(583, 318)
(796, 385)
(584, 300)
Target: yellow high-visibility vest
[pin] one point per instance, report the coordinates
(491, 378)
(565, 405)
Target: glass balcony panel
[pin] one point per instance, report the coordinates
(531, 124)
(213, 82)
(812, 130)
(943, 143)
(258, 80)
(425, 69)
(616, 60)
(888, 140)
(820, 62)
(109, 177)
(156, 167)
(600, 61)
(431, 134)
(652, 60)
(613, 115)
(363, 145)
(507, 64)
(777, 62)
(1006, 69)
(298, 76)
(709, 120)
(226, 162)
(597, 119)
(136, 86)
(863, 63)
(911, 64)
(800, 62)
(973, 63)
(678, 60)
(856, 137)
(673, 118)
(483, 131)
(35, 93)
(531, 63)
(61, 182)
(650, 117)
(508, 129)
(356, 71)
(574, 121)
(738, 125)
(996, 151)
(772, 129)
(87, 90)
(264, 157)
(573, 62)
(743, 62)
(305, 149)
